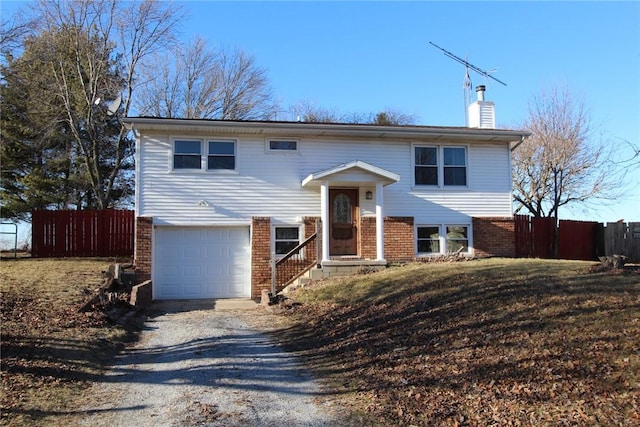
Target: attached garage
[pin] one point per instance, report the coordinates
(201, 262)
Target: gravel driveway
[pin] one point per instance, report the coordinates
(207, 367)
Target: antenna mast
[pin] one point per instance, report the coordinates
(467, 79)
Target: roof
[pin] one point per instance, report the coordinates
(354, 170)
(305, 129)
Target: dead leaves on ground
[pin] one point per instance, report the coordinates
(503, 353)
(50, 351)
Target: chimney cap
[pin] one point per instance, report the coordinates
(480, 88)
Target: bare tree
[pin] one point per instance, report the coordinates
(12, 32)
(561, 163)
(309, 112)
(195, 81)
(392, 117)
(104, 37)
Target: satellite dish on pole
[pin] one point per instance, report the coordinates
(113, 106)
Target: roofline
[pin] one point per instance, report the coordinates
(388, 176)
(325, 129)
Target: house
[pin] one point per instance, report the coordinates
(218, 202)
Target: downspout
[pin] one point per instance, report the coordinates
(522, 137)
(518, 143)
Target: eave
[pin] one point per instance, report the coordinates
(334, 130)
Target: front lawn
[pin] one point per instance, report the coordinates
(50, 351)
(485, 342)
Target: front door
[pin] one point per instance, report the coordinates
(344, 215)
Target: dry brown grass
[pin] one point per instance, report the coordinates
(489, 342)
(50, 351)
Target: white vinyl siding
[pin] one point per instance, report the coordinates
(270, 185)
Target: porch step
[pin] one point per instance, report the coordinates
(334, 269)
(314, 274)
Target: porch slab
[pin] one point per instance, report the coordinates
(345, 262)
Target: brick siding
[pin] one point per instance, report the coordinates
(142, 261)
(260, 255)
(368, 237)
(494, 236)
(309, 229)
(398, 238)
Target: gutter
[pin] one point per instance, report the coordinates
(321, 129)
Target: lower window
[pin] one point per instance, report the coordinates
(442, 239)
(286, 238)
(429, 240)
(457, 238)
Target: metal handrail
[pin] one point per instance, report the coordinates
(291, 267)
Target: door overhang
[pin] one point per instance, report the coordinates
(355, 174)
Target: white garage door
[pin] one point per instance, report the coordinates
(201, 262)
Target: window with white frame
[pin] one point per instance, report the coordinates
(457, 238)
(455, 165)
(442, 239)
(429, 239)
(434, 165)
(282, 145)
(426, 165)
(286, 239)
(221, 155)
(187, 154)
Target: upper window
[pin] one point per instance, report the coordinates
(436, 165)
(286, 239)
(455, 166)
(282, 145)
(186, 154)
(426, 168)
(222, 155)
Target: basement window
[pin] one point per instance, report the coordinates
(429, 240)
(286, 238)
(457, 238)
(442, 239)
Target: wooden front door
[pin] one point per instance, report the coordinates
(344, 215)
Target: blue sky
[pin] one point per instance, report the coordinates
(365, 57)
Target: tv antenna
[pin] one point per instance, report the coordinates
(466, 86)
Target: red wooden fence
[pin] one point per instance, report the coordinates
(534, 238)
(104, 233)
(577, 240)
